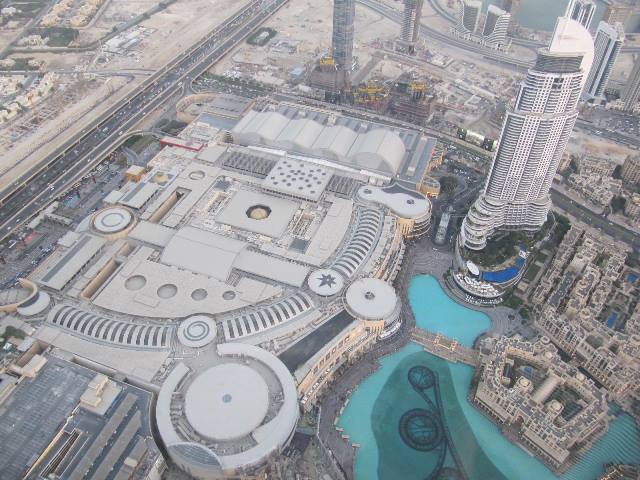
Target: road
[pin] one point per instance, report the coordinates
(60, 170)
(608, 134)
(596, 221)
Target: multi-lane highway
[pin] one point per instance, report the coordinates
(608, 134)
(61, 169)
(599, 222)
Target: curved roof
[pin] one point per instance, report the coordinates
(254, 321)
(361, 243)
(383, 146)
(248, 421)
(226, 402)
(371, 299)
(336, 140)
(94, 327)
(570, 37)
(404, 203)
(378, 149)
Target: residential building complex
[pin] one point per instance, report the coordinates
(582, 305)
(492, 33)
(631, 90)
(549, 405)
(583, 11)
(631, 169)
(607, 45)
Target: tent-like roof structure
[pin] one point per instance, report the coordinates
(379, 149)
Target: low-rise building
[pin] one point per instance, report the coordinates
(547, 404)
(631, 169)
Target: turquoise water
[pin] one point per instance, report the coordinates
(436, 312)
(376, 409)
(542, 14)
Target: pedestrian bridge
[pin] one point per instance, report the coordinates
(445, 347)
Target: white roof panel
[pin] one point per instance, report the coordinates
(276, 269)
(202, 252)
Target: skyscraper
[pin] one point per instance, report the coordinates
(534, 136)
(617, 12)
(469, 15)
(411, 23)
(631, 91)
(344, 12)
(607, 44)
(583, 11)
(496, 26)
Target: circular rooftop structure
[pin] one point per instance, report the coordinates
(197, 331)
(227, 402)
(325, 282)
(112, 220)
(229, 418)
(371, 299)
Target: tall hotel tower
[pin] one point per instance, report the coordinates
(344, 13)
(534, 136)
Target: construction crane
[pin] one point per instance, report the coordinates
(417, 89)
(327, 61)
(371, 94)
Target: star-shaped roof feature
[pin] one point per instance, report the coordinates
(327, 280)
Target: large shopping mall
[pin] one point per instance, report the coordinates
(234, 274)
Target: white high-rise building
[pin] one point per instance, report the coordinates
(583, 11)
(607, 44)
(411, 23)
(469, 15)
(496, 26)
(631, 91)
(534, 136)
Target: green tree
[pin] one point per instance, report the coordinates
(448, 185)
(618, 203)
(617, 172)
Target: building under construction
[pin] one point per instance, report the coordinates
(332, 73)
(326, 75)
(411, 99)
(373, 96)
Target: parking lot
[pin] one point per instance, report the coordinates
(22, 252)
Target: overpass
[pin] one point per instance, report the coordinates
(444, 347)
